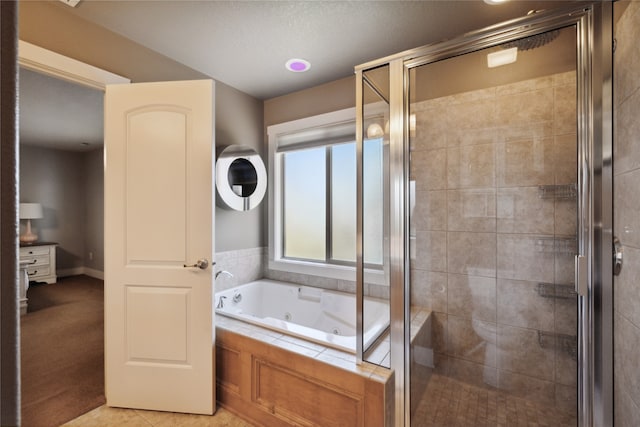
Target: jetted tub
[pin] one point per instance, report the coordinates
(318, 315)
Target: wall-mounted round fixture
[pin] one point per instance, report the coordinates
(241, 178)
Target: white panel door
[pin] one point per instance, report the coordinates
(159, 335)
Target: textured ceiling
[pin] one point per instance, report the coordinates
(245, 44)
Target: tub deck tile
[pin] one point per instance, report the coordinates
(261, 336)
(347, 365)
(349, 357)
(380, 373)
(379, 357)
(380, 352)
(293, 347)
(244, 328)
(303, 343)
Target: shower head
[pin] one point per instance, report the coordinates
(533, 42)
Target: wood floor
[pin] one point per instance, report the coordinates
(62, 346)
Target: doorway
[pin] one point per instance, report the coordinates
(61, 159)
(62, 169)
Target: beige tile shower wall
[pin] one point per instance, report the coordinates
(627, 217)
(484, 238)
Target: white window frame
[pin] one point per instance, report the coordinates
(277, 136)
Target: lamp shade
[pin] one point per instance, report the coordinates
(30, 210)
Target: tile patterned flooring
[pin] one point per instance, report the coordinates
(117, 417)
(446, 403)
(451, 403)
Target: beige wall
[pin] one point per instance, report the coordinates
(627, 217)
(239, 121)
(239, 117)
(55, 178)
(52, 25)
(325, 98)
(93, 197)
(70, 187)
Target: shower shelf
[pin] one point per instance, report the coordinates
(558, 192)
(558, 245)
(551, 290)
(564, 342)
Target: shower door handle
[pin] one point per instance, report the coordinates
(581, 275)
(617, 256)
(202, 264)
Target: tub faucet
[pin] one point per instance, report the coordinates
(223, 272)
(221, 302)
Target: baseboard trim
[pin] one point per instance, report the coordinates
(81, 270)
(97, 274)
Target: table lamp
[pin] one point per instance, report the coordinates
(30, 211)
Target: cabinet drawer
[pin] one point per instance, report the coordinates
(34, 250)
(35, 272)
(36, 260)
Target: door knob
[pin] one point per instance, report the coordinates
(202, 264)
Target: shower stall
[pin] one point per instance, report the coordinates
(496, 235)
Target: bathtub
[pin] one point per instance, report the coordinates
(321, 316)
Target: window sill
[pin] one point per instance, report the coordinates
(339, 272)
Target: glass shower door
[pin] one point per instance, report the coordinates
(497, 194)
(493, 235)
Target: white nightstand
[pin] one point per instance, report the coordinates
(41, 258)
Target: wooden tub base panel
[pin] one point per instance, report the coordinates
(276, 387)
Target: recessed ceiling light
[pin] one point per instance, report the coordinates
(492, 2)
(297, 65)
(502, 57)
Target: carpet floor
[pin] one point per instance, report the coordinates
(62, 351)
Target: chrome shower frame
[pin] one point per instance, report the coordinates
(593, 25)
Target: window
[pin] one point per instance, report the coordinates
(303, 193)
(313, 196)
